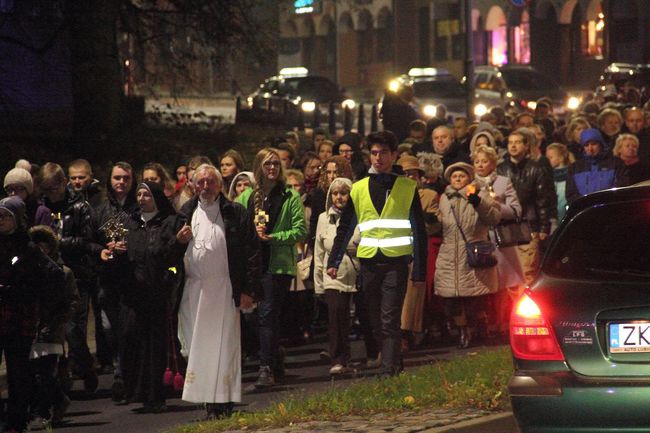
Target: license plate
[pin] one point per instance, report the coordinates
(629, 337)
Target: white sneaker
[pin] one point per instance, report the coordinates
(374, 363)
(338, 369)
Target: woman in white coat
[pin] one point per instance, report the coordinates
(463, 287)
(338, 292)
(509, 270)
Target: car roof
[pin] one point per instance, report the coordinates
(639, 191)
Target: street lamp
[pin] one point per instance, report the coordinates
(469, 58)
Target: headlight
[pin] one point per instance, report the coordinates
(429, 110)
(532, 105)
(249, 100)
(393, 86)
(308, 106)
(349, 103)
(573, 103)
(480, 110)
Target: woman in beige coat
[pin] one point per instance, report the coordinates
(463, 287)
(338, 292)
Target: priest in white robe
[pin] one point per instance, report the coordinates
(221, 273)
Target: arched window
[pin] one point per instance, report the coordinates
(592, 40)
(521, 39)
(385, 36)
(365, 38)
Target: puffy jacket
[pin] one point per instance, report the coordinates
(73, 222)
(595, 173)
(454, 277)
(535, 190)
(288, 228)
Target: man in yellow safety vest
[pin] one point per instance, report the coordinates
(387, 209)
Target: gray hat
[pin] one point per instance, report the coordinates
(16, 207)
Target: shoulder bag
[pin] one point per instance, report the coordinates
(479, 253)
(512, 232)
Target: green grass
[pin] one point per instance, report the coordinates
(477, 381)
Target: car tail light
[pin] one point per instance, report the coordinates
(531, 336)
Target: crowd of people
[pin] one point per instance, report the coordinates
(189, 274)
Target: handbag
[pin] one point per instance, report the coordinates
(512, 232)
(303, 267)
(479, 253)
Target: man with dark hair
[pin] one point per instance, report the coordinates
(387, 209)
(417, 130)
(287, 155)
(119, 206)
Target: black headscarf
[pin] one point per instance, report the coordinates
(16, 207)
(165, 208)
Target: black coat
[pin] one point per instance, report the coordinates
(535, 191)
(244, 258)
(75, 228)
(152, 250)
(31, 286)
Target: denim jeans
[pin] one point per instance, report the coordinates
(275, 288)
(384, 286)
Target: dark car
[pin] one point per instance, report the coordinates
(580, 335)
(620, 74)
(432, 87)
(519, 87)
(296, 86)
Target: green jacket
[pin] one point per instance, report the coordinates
(289, 229)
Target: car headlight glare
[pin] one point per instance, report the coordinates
(429, 110)
(573, 103)
(480, 110)
(249, 100)
(393, 86)
(308, 106)
(349, 103)
(532, 105)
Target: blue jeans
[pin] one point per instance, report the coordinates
(384, 287)
(275, 288)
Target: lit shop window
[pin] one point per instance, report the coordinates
(499, 46)
(593, 36)
(521, 39)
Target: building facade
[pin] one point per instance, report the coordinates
(361, 44)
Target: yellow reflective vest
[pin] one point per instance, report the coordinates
(389, 232)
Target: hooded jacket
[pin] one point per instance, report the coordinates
(28, 278)
(328, 222)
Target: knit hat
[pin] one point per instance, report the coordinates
(19, 176)
(430, 164)
(591, 134)
(409, 162)
(16, 207)
(467, 168)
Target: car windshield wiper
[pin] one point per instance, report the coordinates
(626, 272)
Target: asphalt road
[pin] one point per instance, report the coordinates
(306, 373)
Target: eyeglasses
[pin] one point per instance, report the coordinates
(272, 164)
(14, 189)
(346, 152)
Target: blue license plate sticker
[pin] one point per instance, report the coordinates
(629, 337)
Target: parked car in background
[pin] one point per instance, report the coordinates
(297, 87)
(618, 75)
(580, 335)
(432, 87)
(518, 87)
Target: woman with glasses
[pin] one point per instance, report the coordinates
(18, 182)
(280, 223)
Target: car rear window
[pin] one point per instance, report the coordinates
(317, 88)
(528, 80)
(607, 242)
(438, 89)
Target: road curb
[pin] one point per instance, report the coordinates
(482, 424)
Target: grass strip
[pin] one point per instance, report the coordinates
(472, 380)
